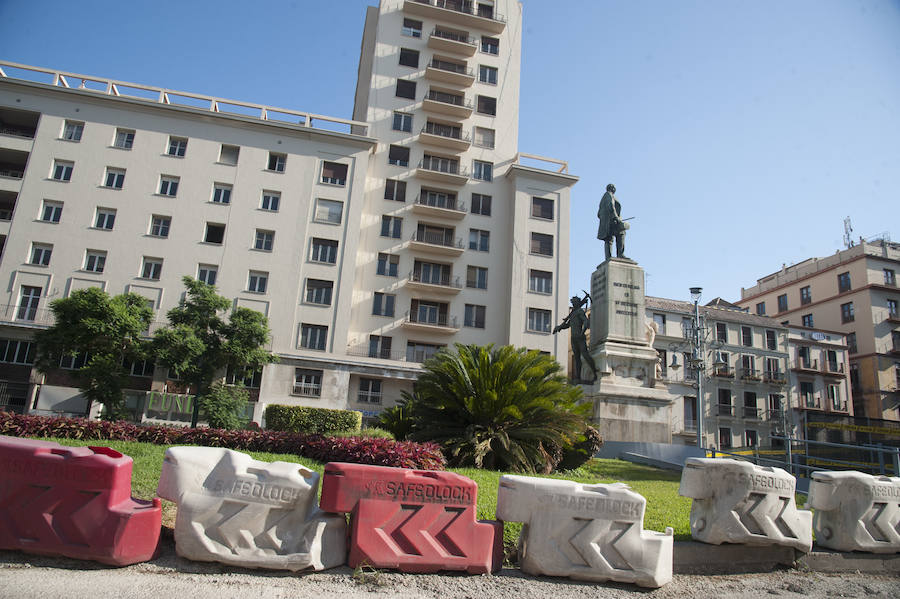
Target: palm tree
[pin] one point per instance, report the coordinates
(497, 408)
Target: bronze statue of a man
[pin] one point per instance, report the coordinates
(611, 223)
(577, 321)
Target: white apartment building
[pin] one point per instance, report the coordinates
(418, 226)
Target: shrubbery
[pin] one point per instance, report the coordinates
(302, 419)
(224, 406)
(379, 452)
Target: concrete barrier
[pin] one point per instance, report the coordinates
(412, 520)
(237, 510)
(737, 502)
(584, 532)
(856, 511)
(75, 502)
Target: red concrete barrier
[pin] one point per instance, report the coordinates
(73, 501)
(412, 520)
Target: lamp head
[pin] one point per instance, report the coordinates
(695, 293)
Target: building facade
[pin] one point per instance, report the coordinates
(414, 226)
(853, 292)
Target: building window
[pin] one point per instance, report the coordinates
(803, 357)
(487, 74)
(540, 281)
(124, 139)
(751, 409)
(334, 173)
(419, 352)
(229, 155)
(313, 336)
(484, 137)
(319, 292)
(159, 225)
(115, 178)
(329, 211)
(770, 340)
(892, 308)
(431, 273)
(257, 281)
(761, 308)
(660, 320)
(207, 273)
(721, 332)
(476, 277)
(264, 240)
(177, 146)
(406, 89)
(380, 347)
(541, 244)
(369, 391)
(402, 121)
(76, 362)
(105, 218)
(486, 105)
(395, 190)
(215, 233)
(307, 383)
(724, 402)
(168, 186)
(152, 268)
(479, 240)
(481, 204)
(409, 58)
(474, 316)
(805, 295)
(391, 226)
(398, 156)
(847, 312)
(782, 303)
(843, 282)
(51, 212)
(482, 171)
(94, 260)
(807, 320)
(490, 45)
(323, 250)
(851, 343)
(221, 193)
(270, 201)
(806, 394)
(542, 208)
(250, 379)
(276, 162)
(383, 304)
(411, 28)
(746, 336)
(62, 170)
(16, 352)
(539, 320)
(750, 438)
(72, 131)
(29, 298)
(40, 254)
(890, 277)
(834, 396)
(388, 265)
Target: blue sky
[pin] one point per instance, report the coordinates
(739, 134)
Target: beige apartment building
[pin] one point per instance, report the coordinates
(369, 243)
(853, 292)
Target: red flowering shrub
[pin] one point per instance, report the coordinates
(379, 452)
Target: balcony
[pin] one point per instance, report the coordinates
(452, 41)
(459, 12)
(436, 243)
(442, 170)
(774, 377)
(27, 315)
(724, 409)
(893, 317)
(454, 105)
(449, 72)
(725, 372)
(806, 365)
(749, 374)
(811, 402)
(442, 324)
(442, 285)
(448, 208)
(445, 136)
(833, 369)
(752, 413)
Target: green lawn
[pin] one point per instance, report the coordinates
(664, 506)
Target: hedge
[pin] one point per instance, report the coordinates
(303, 419)
(379, 452)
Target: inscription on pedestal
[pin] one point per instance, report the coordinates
(617, 312)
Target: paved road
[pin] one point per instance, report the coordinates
(26, 576)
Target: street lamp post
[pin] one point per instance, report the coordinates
(697, 360)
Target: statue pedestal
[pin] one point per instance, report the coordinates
(628, 406)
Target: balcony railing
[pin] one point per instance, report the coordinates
(307, 389)
(806, 364)
(774, 376)
(446, 98)
(725, 409)
(446, 131)
(453, 283)
(369, 397)
(451, 67)
(27, 314)
(466, 7)
(13, 173)
(453, 36)
(723, 372)
(749, 374)
(438, 239)
(812, 402)
(752, 412)
(834, 367)
(446, 204)
(690, 426)
(443, 166)
(435, 320)
(7, 129)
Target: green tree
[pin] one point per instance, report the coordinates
(224, 405)
(199, 343)
(107, 331)
(497, 408)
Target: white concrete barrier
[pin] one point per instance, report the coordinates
(856, 511)
(737, 502)
(237, 510)
(584, 532)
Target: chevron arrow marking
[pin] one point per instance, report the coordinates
(601, 554)
(748, 518)
(780, 522)
(870, 521)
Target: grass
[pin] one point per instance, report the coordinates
(665, 507)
